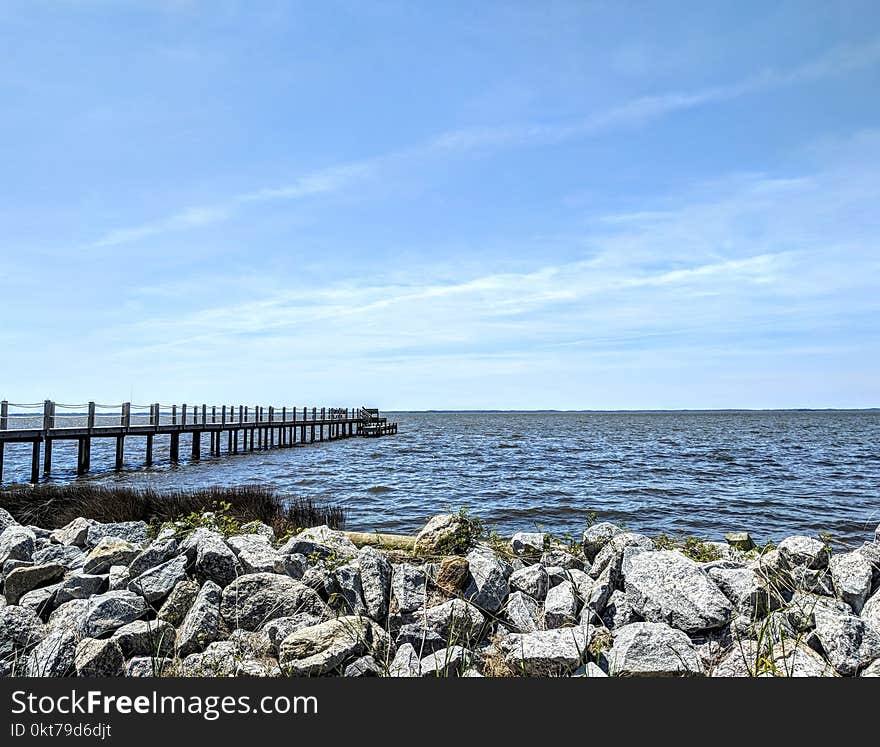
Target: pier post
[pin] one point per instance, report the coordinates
(196, 445)
(271, 429)
(120, 452)
(149, 457)
(323, 418)
(314, 418)
(48, 424)
(302, 434)
(175, 447)
(35, 462)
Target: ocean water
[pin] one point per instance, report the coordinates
(696, 473)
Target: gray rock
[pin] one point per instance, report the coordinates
(156, 553)
(561, 606)
(320, 542)
(135, 532)
(422, 639)
(597, 536)
(107, 612)
(42, 601)
(409, 587)
(665, 586)
(22, 580)
(366, 666)
(118, 578)
(448, 662)
(454, 618)
(375, 582)
(611, 555)
(79, 586)
(294, 565)
(562, 559)
(589, 670)
(531, 581)
(793, 659)
(109, 551)
(749, 593)
(811, 581)
(179, 602)
(215, 561)
(650, 649)
(6, 519)
(153, 638)
(74, 533)
(158, 582)
(252, 600)
(201, 626)
(148, 666)
(325, 647)
(20, 631)
(71, 615)
(278, 629)
(546, 652)
(219, 659)
(871, 612)
(256, 554)
(258, 527)
(351, 593)
(521, 612)
(528, 543)
(53, 655)
(852, 575)
(849, 643)
(442, 534)
(487, 585)
(11, 565)
(618, 612)
(740, 540)
(405, 663)
(800, 551)
(72, 558)
(99, 658)
(16, 543)
(872, 670)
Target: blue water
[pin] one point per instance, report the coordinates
(772, 473)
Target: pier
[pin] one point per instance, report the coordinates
(240, 428)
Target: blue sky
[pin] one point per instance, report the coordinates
(441, 205)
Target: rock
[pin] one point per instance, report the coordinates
(79, 586)
(109, 551)
(256, 554)
(531, 581)
(351, 593)
(455, 618)
(366, 666)
(258, 527)
(849, 643)
(589, 670)
(443, 534)
(158, 552)
(422, 639)
(99, 658)
(294, 565)
(320, 543)
(561, 606)
(201, 626)
(20, 631)
(406, 663)
(53, 655)
(107, 612)
(611, 555)
(747, 591)
(812, 581)
(219, 659)
(16, 543)
(72, 558)
(665, 586)
(453, 574)
(448, 662)
(521, 612)
(740, 540)
(618, 612)
(409, 587)
(375, 582)
(118, 578)
(851, 574)
(323, 648)
(487, 586)
(148, 666)
(11, 565)
(597, 536)
(252, 600)
(872, 670)
(546, 652)
(651, 649)
(871, 612)
(41, 601)
(562, 559)
(74, 533)
(157, 583)
(215, 561)
(154, 638)
(529, 543)
(70, 616)
(22, 580)
(134, 532)
(799, 551)
(175, 608)
(6, 519)
(278, 629)
(791, 659)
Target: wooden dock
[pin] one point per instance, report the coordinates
(241, 427)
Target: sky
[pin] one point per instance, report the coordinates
(498, 205)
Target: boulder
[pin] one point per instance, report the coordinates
(453, 574)
(320, 543)
(455, 618)
(157, 583)
(148, 666)
(405, 663)
(851, 574)
(652, 649)
(597, 536)
(252, 600)
(366, 666)
(447, 662)
(561, 606)
(256, 554)
(154, 638)
(487, 585)
(409, 587)
(74, 533)
(375, 582)
(72, 558)
(158, 552)
(618, 612)
(215, 561)
(20, 631)
(444, 533)
(109, 551)
(611, 555)
(6, 519)
(531, 581)
(665, 586)
(118, 578)
(849, 643)
(350, 590)
(521, 613)
(107, 612)
(546, 652)
(22, 580)
(99, 658)
(201, 626)
(42, 601)
(741, 541)
(175, 608)
(325, 647)
(746, 589)
(135, 532)
(562, 559)
(871, 612)
(16, 543)
(806, 552)
(529, 543)
(278, 629)
(258, 527)
(53, 656)
(787, 658)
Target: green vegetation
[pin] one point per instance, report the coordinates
(694, 548)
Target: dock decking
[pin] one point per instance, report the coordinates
(257, 427)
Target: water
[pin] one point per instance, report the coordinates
(772, 473)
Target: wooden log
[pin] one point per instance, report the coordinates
(377, 539)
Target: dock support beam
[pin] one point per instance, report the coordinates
(35, 463)
(47, 457)
(175, 448)
(197, 446)
(149, 459)
(120, 452)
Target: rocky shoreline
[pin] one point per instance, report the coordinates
(127, 599)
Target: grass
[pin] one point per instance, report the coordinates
(53, 506)
(694, 548)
